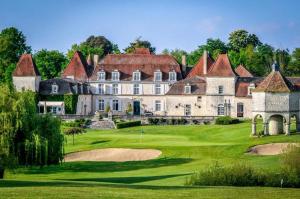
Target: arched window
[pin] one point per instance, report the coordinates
(221, 109)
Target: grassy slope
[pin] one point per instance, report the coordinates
(186, 149)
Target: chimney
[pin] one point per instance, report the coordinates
(275, 66)
(183, 63)
(204, 62)
(96, 59)
(89, 60)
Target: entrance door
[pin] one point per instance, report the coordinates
(136, 108)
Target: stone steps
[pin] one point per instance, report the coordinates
(102, 124)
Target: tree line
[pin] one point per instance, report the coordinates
(242, 48)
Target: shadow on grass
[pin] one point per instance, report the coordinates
(126, 180)
(99, 141)
(105, 166)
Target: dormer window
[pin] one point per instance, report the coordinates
(250, 88)
(220, 90)
(115, 75)
(136, 76)
(54, 88)
(172, 76)
(157, 76)
(101, 75)
(187, 89)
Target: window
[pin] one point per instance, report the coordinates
(220, 109)
(157, 105)
(115, 105)
(172, 76)
(157, 76)
(101, 76)
(115, 76)
(199, 99)
(115, 89)
(220, 89)
(136, 89)
(157, 89)
(187, 109)
(54, 88)
(240, 109)
(187, 89)
(250, 88)
(101, 89)
(137, 76)
(54, 109)
(101, 105)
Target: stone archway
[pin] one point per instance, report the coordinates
(276, 124)
(295, 123)
(257, 124)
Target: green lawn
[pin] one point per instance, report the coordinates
(185, 150)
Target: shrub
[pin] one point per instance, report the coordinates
(206, 122)
(225, 120)
(196, 122)
(162, 120)
(74, 131)
(128, 124)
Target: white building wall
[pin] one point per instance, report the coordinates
(213, 83)
(84, 105)
(27, 83)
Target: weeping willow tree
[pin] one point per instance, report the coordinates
(25, 136)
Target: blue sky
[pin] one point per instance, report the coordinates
(58, 24)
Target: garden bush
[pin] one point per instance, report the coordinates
(128, 124)
(225, 120)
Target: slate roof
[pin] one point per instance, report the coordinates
(26, 67)
(65, 86)
(242, 71)
(147, 64)
(275, 82)
(198, 86)
(221, 67)
(242, 84)
(197, 70)
(78, 68)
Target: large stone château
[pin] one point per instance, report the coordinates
(159, 85)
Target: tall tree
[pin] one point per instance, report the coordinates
(241, 39)
(293, 68)
(176, 53)
(93, 45)
(50, 63)
(213, 46)
(282, 57)
(138, 43)
(12, 46)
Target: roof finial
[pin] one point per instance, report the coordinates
(275, 66)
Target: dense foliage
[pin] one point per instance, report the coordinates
(138, 43)
(224, 120)
(12, 46)
(70, 101)
(25, 136)
(128, 124)
(50, 63)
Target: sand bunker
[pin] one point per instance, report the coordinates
(269, 149)
(114, 155)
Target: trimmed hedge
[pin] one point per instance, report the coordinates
(128, 124)
(225, 120)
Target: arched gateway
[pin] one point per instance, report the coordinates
(276, 100)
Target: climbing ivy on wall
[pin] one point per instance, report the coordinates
(70, 103)
(69, 100)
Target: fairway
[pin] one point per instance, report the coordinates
(185, 150)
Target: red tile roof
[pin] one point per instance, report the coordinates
(275, 82)
(26, 67)
(78, 68)
(221, 67)
(147, 64)
(144, 51)
(197, 70)
(242, 71)
(198, 86)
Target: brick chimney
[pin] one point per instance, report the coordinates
(183, 63)
(204, 62)
(96, 59)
